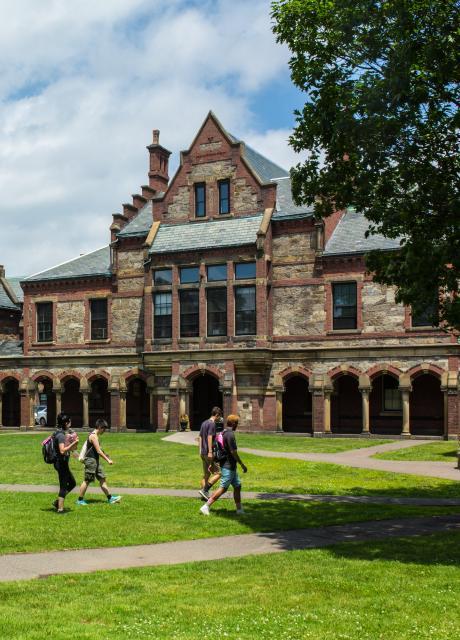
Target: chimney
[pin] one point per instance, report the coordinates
(159, 157)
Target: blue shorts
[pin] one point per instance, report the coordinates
(229, 477)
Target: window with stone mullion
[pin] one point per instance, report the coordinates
(189, 313)
(344, 305)
(245, 311)
(99, 319)
(217, 312)
(162, 324)
(44, 321)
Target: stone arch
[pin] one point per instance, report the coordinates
(99, 399)
(68, 374)
(342, 370)
(297, 403)
(10, 407)
(287, 373)
(45, 395)
(383, 369)
(346, 401)
(134, 373)
(45, 374)
(426, 402)
(135, 386)
(196, 370)
(7, 375)
(425, 367)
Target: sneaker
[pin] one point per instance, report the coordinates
(114, 499)
(205, 510)
(55, 504)
(204, 494)
(63, 512)
(240, 511)
(82, 502)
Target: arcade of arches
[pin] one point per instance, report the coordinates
(419, 403)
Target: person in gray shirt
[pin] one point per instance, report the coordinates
(211, 471)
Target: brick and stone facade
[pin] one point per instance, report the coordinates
(281, 362)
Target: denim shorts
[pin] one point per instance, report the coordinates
(229, 477)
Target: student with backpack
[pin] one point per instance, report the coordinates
(225, 451)
(90, 456)
(63, 446)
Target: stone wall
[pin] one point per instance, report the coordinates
(70, 322)
(130, 261)
(127, 319)
(380, 311)
(298, 310)
(294, 247)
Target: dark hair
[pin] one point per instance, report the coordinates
(62, 420)
(216, 411)
(101, 424)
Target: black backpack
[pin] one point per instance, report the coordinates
(218, 449)
(49, 449)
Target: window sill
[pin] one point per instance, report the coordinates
(51, 343)
(342, 332)
(191, 339)
(424, 328)
(161, 341)
(390, 414)
(102, 341)
(218, 339)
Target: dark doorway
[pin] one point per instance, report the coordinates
(346, 409)
(385, 407)
(99, 401)
(11, 404)
(297, 406)
(72, 401)
(426, 406)
(137, 405)
(206, 395)
(46, 397)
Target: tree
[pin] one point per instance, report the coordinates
(381, 128)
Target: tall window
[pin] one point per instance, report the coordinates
(426, 318)
(162, 276)
(162, 321)
(245, 270)
(217, 272)
(200, 200)
(99, 323)
(217, 312)
(224, 196)
(44, 321)
(245, 311)
(189, 313)
(391, 394)
(345, 315)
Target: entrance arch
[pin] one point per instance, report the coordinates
(205, 396)
(137, 405)
(297, 405)
(99, 400)
(346, 406)
(72, 401)
(426, 406)
(385, 406)
(11, 403)
(45, 396)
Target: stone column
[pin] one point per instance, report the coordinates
(122, 411)
(115, 409)
(365, 409)
(58, 394)
(327, 411)
(27, 400)
(405, 412)
(279, 410)
(182, 403)
(85, 395)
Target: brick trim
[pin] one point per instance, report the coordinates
(383, 369)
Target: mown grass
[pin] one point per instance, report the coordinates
(404, 589)
(28, 522)
(432, 452)
(146, 460)
(303, 444)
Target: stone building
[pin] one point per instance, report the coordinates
(216, 289)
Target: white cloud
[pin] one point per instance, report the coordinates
(83, 86)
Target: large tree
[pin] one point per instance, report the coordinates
(381, 127)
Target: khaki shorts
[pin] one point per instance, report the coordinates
(93, 470)
(209, 466)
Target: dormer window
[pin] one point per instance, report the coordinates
(224, 196)
(200, 200)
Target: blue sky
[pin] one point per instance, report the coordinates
(84, 83)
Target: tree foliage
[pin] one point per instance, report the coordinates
(381, 128)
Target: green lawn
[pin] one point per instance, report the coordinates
(401, 589)
(148, 520)
(433, 452)
(147, 460)
(303, 444)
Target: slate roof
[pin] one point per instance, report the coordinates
(349, 237)
(5, 300)
(15, 284)
(10, 348)
(96, 263)
(265, 168)
(205, 235)
(285, 207)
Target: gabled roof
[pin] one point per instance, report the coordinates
(349, 237)
(140, 224)
(5, 300)
(262, 166)
(96, 263)
(211, 234)
(15, 284)
(285, 207)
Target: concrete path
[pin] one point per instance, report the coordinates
(247, 495)
(40, 565)
(357, 458)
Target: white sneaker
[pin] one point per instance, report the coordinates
(205, 510)
(240, 511)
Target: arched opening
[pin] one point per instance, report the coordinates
(11, 403)
(72, 401)
(385, 406)
(137, 405)
(426, 406)
(205, 396)
(45, 401)
(99, 401)
(346, 406)
(297, 414)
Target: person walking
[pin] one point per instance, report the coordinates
(63, 446)
(211, 471)
(93, 467)
(229, 473)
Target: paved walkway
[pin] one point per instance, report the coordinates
(40, 565)
(358, 458)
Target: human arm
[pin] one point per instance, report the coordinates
(63, 448)
(235, 455)
(95, 442)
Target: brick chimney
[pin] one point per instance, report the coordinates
(159, 157)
